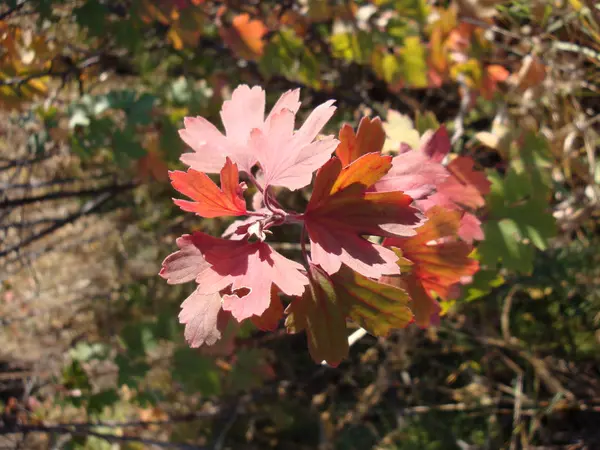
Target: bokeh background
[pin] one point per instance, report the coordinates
(92, 93)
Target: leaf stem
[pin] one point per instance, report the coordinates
(255, 182)
(303, 244)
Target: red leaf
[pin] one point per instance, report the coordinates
(341, 210)
(439, 260)
(249, 270)
(436, 145)
(210, 201)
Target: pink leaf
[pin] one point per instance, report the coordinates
(289, 158)
(464, 188)
(249, 269)
(414, 174)
(241, 114)
(436, 144)
(185, 264)
(470, 228)
(199, 313)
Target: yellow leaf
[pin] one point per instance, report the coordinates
(399, 129)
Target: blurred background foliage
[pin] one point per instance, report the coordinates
(92, 93)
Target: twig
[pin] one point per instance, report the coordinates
(505, 317)
(517, 411)
(223, 434)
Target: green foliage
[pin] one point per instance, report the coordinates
(195, 372)
(519, 211)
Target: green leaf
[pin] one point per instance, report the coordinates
(125, 147)
(84, 351)
(503, 242)
(320, 313)
(130, 373)
(246, 370)
(139, 338)
(483, 283)
(352, 46)
(425, 122)
(414, 66)
(387, 66)
(196, 372)
(92, 15)
(287, 55)
(376, 307)
(99, 401)
(140, 111)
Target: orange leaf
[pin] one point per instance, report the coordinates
(245, 36)
(151, 165)
(210, 201)
(269, 319)
(492, 76)
(439, 261)
(531, 74)
(369, 138)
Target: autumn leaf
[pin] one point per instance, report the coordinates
(199, 313)
(465, 187)
(439, 260)
(293, 168)
(412, 172)
(493, 75)
(399, 130)
(248, 269)
(531, 73)
(321, 314)
(152, 165)
(324, 308)
(269, 319)
(369, 138)
(377, 307)
(245, 36)
(210, 200)
(341, 211)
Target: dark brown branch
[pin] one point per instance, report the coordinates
(11, 203)
(88, 208)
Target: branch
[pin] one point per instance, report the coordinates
(13, 10)
(88, 208)
(111, 438)
(11, 203)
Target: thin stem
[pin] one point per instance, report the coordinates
(303, 244)
(255, 182)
